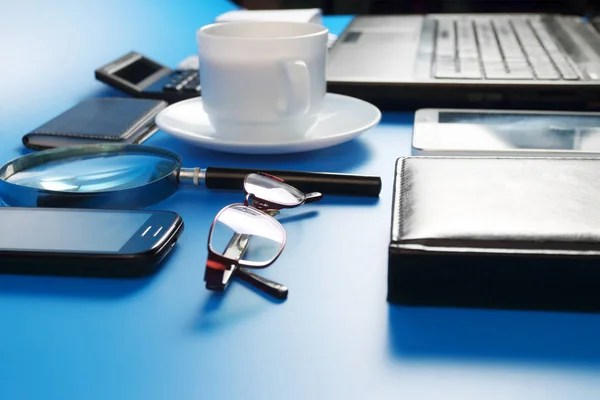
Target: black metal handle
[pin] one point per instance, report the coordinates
(268, 286)
(326, 183)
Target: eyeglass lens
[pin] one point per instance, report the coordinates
(273, 190)
(260, 237)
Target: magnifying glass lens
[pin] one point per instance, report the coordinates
(134, 176)
(96, 172)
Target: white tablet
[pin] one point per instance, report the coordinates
(449, 132)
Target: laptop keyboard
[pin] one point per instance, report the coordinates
(503, 48)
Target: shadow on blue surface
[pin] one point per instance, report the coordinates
(61, 286)
(301, 216)
(215, 314)
(526, 337)
(213, 302)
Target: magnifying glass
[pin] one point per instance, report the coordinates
(136, 176)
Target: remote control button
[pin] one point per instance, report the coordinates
(191, 88)
(174, 88)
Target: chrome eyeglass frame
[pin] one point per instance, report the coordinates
(221, 267)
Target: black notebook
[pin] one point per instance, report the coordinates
(98, 120)
(496, 232)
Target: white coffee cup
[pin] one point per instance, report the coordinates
(261, 80)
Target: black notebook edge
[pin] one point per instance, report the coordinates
(138, 132)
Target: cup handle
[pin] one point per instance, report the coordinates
(297, 88)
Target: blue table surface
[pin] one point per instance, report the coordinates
(166, 337)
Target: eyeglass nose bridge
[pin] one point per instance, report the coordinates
(252, 201)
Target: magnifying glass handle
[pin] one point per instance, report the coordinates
(326, 183)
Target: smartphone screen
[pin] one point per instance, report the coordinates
(81, 231)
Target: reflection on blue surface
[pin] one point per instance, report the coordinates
(96, 173)
(520, 337)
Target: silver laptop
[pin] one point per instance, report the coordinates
(469, 60)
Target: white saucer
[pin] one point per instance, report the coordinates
(343, 118)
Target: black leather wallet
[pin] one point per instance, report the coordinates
(496, 233)
(98, 120)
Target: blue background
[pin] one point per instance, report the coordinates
(166, 337)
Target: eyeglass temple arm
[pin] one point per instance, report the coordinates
(266, 285)
(312, 197)
(236, 248)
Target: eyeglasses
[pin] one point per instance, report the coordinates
(247, 236)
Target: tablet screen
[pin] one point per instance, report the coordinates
(494, 131)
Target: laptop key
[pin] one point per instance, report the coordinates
(508, 75)
(494, 66)
(496, 75)
(445, 63)
(458, 75)
(521, 70)
(487, 39)
(547, 75)
(569, 75)
(491, 56)
(426, 44)
(514, 54)
(468, 65)
(517, 64)
(520, 74)
(445, 39)
(468, 53)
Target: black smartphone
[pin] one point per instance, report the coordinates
(142, 77)
(84, 242)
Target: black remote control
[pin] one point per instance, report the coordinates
(142, 77)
